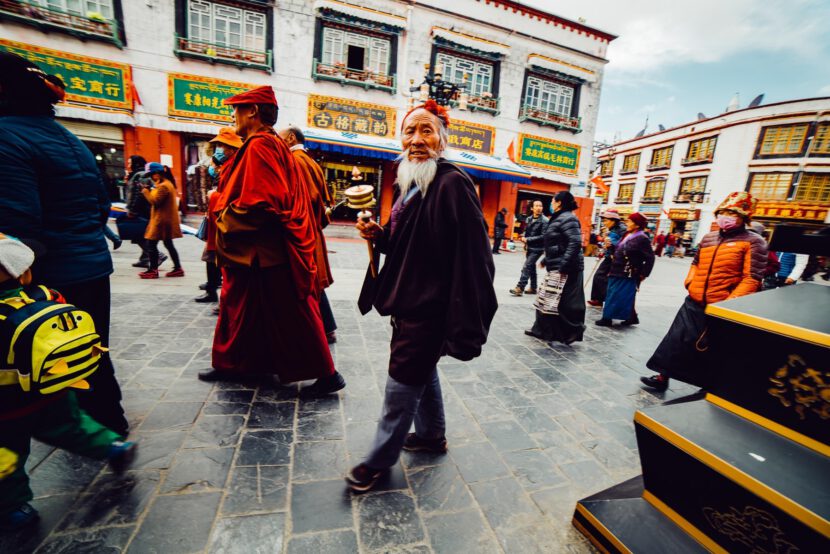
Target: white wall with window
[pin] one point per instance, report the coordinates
(356, 51)
(226, 26)
(549, 96)
(79, 7)
(479, 74)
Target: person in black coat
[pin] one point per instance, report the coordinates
(499, 226)
(560, 307)
(535, 241)
(614, 231)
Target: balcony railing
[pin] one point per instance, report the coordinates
(358, 77)
(654, 167)
(688, 197)
(623, 200)
(699, 160)
(628, 171)
(89, 26)
(218, 53)
(544, 117)
(481, 103)
(651, 200)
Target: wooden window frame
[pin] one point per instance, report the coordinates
(818, 192)
(624, 170)
(660, 161)
(820, 143)
(694, 145)
(654, 198)
(618, 199)
(786, 196)
(762, 137)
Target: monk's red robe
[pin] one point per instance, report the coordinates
(269, 317)
(315, 180)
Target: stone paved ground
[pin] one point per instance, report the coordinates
(232, 468)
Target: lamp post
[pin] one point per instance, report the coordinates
(436, 88)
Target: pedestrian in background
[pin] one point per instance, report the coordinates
(729, 263)
(792, 267)
(671, 244)
(770, 280)
(499, 226)
(535, 243)
(436, 283)
(164, 223)
(614, 230)
(138, 211)
(659, 244)
(222, 148)
(632, 263)
(52, 192)
(560, 304)
(318, 192)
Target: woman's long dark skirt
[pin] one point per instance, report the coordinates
(569, 325)
(599, 286)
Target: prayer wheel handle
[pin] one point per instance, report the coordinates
(366, 216)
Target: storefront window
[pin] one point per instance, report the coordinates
(341, 174)
(110, 160)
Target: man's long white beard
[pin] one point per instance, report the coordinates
(420, 173)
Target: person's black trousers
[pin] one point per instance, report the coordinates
(329, 325)
(103, 400)
(153, 250)
(214, 278)
(497, 242)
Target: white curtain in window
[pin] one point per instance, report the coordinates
(479, 75)
(226, 25)
(549, 96)
(337, 41)
(79, 7)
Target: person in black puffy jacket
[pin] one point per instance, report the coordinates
(560, 304)
(534, 239)
(52, 193)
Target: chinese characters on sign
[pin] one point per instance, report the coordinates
(472, 137)
(201, 97)
(340, 114)
(792, 210)
(88, 80)
(548, 154)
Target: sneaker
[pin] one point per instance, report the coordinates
(595, 303)
(19, 518)
(515, 291)
(116, 244)
(178, 272)
(604, 322)
(162, 258)
(324, 386)
(414, 443)
(657, 382)
(145, 265)
(207, 297)
(149, 274)
(530, 291)
(362, 478)
(121, 456)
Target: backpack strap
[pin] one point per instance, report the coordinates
(36, 293)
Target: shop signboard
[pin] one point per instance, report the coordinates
(195, 97)
(792, 210)
(553, 155)
(652, 211)
(624, 210)
(684, 215)
(342, 114)
(472, 137)
(90, 81)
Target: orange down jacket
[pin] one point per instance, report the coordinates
(727, 265)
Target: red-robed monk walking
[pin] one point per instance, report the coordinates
(269, 318)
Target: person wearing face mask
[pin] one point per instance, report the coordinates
(225, 146)
(729, 263)
(164, 219)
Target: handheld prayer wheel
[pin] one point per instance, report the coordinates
(361, 197)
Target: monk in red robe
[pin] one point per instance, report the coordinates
(320, 199)
(269, 318)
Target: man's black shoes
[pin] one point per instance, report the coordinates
(324, 386)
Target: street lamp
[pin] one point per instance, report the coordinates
(436, 88)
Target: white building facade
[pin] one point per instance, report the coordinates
(148, 78)
(779, 152)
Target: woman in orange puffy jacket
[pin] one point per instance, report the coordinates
(729, 263)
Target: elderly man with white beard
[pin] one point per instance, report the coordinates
(436, 284)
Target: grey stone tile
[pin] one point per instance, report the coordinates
(161, 530)
(198, 469)
(507, 435)
(327, 542)
(320, 506)
(319, 460)
(157, 449)
(265, 448)
(93, 541)
(504, 503)
(388, 520)
(478, 461)
(215, 430)
(256, 534)
(113, 500)
(316, 426)
(272, 415)
(461, 532)
(64, 472)
(171, 415)
(256, 489)
(226, 408)
(52, 509)
(439, 489)
(587, 473)
(533, 469)
(487, 409)
(221, 395)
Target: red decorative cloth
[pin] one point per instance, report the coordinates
(433, 107)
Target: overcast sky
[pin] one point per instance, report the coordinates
(675, 59)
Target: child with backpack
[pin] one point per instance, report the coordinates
(47, 349)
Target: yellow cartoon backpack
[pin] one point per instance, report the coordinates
(46, 346)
